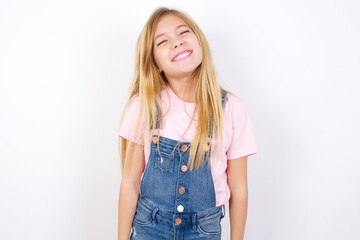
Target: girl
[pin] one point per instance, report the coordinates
(185, 140)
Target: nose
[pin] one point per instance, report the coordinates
(177, 43)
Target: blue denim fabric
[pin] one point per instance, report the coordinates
(151, 222)
(157, 213)
(163, 177)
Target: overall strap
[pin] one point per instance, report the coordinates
(158, 115)
(223, 98)
(223, 102)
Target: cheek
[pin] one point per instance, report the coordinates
(160, 57)
(199, 50)
(200, 57)
(156, 57)
(197, 44)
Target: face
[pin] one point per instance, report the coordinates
(177, 51)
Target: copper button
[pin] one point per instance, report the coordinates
(155, 140)
(184, 168)
(181, 190)
(184, 148)
(178, 220)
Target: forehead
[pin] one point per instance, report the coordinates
(167, 23)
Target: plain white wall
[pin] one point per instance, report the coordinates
(65, 67)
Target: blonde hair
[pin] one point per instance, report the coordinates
(148, 82)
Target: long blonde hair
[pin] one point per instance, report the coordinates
(148, 82)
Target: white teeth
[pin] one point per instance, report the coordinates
(181, 56)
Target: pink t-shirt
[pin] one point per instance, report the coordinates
(238, 133)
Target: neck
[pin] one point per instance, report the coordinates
(183, 88)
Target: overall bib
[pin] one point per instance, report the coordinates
(175, 203)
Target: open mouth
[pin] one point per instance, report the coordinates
(182, 56)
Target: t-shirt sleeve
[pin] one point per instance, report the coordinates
(243, 141)
(128, 124)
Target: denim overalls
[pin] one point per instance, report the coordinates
(175, 203)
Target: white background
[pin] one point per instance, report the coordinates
(65, 67)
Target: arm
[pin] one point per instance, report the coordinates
(130, 188)
(237, 180)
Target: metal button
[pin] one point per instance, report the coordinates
(184, 148)
(181, 190)
(155, 140)
(184, 168)
(180, 208)
(178, 220)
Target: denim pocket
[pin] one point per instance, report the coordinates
(142, 216)
(164, 161)
(210, 226)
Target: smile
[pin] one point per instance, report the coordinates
(182, 56)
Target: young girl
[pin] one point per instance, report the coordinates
(185, 140)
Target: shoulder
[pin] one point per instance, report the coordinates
(132, 107)
(234, 103)
(235, 112)
(133, 102)
(134, 98)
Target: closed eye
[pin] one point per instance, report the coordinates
(161, 42)
(166, 40)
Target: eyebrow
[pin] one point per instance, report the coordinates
(182, 25)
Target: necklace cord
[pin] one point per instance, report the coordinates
(192, 118)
